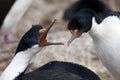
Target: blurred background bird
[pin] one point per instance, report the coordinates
(43, 11)
(11, 13)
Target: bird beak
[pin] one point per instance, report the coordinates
(42, 40)
(75, 34)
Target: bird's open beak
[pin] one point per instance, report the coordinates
(42, 40)
(75, 34)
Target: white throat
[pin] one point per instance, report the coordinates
(19, 63)
(96, 30)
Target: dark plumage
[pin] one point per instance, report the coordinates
(96, 5)
(115, 13)
(57, 70)
(29, 39)
(82, 20)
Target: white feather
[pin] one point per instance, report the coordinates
(19, 63)
(106, 40)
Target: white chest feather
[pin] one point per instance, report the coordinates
(19, 63)
(106, 40)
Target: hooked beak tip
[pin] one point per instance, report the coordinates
(68, 44)
(73, 37)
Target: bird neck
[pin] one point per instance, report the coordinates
(19, 63)
(96, 30)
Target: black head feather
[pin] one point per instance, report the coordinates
(97, 6)
(115, 13)
(29, 39)
(83, 20)
(56, 70)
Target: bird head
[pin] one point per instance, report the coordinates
(35, 36)
(81, 22)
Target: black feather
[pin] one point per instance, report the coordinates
(29, 39)
(97, 6)
(61, 71)
(83, 20)
(115, 13)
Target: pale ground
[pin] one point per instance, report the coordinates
(80, 51)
